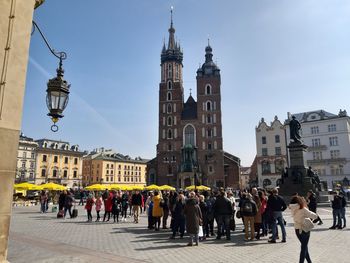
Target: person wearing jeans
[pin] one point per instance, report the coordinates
(336, 206)
(300, 213)
(276, 205)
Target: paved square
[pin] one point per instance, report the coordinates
(36, 237)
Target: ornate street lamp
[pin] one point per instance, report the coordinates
(57, 88)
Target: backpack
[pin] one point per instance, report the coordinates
(247, 207)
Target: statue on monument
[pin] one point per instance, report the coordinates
(294, 128)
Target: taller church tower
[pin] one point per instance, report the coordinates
(170, 107)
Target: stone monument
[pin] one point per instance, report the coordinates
(297, 178)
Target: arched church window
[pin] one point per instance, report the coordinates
(209, 119)
(170, 73)
(170, 120)
(169, 96)
(208, 89)
(170, 86)
(189, 135)
(209, 106)
(170, 134)
(169, 109)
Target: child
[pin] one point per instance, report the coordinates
(98, 206)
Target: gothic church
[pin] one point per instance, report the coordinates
(190, 143)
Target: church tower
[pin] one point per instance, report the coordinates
(170, 107)
(210, 145)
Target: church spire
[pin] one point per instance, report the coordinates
(171, 43)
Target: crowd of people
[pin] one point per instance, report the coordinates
(195, 212)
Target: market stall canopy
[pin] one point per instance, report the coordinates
(167, 188)
(26, 186)
(152, 187)
(52, 187)
(200, 188)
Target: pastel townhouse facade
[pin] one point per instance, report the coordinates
(109, 167)
(58, 162)
(271, 158)
(26, 160)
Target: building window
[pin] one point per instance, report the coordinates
(65, 173)
(107, 166)
(111, 172)
(170, 135)
(209, 133)
(337, 169)
(333, 141)
(317, 155)
(169, 71)
(54, 173)
(33, 155)
(32, 165)
(209, 106)
(24, 154)
(24, 164)
(278, 151)
(170, 169)
(75, 161)
(314, 130)
(263, 140)
(169, 147)
(335, 154)
(208, 90)
(44, 158)
(119, 167)
(279, 166)
(169, 109)
(111, 166)
(169, 85)
(177, 71)
(264, 151)
(107, 172)
(332, 128)
(173, 158)
(266, 168)
(277, 139)
(209, 118)
(190, 135)
(65, 160)
(170, 121)
(210, 169)
(169, 96)
(43, 172)
(316, 142)
(55, 159)
(209, 146)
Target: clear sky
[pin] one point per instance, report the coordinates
(275, 56)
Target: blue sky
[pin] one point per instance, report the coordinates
(275, 56)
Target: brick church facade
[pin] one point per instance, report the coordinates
(190, 143)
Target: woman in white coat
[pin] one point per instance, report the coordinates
(302, 224)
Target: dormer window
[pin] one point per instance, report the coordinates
(45, 145)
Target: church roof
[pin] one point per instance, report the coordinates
(190, 109)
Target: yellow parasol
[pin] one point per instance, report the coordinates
(167, 188)
(26, 186)
(52, 187)
(152, 187)
(137, 187)
(97, 187)
(200, 188)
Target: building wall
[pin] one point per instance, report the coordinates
(331, 160)
(62, 166)
(267, 153)
(114, 172)
(26, 161)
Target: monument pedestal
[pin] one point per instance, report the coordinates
(296, 180)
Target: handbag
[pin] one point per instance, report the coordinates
(307, 225)
(238, 214)
(200, 231)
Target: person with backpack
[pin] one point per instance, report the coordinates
(277, 205)
(300, 215)
(248, 212)
(223, 212)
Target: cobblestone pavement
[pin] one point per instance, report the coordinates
(36, 237)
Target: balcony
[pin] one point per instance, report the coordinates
(317, 148)
(327, 161)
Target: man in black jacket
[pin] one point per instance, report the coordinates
(136, 202)
(277, 205)
(222, 212)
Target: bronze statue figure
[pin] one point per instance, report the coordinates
(294, 128)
